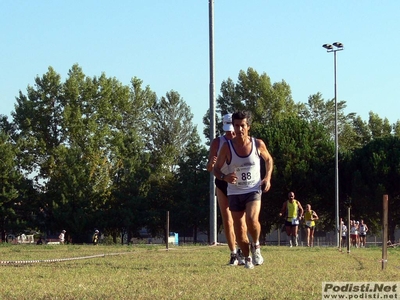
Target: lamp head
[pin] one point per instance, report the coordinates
(327, 46)
(338, 45)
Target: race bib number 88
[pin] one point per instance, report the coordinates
(244, 177)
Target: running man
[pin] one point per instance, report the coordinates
(363, 229)
(309, 217)
(242, 155)
(293, 212)
(61, 237)
(354, 233)
(222, 186)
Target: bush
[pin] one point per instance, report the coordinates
(108, 240)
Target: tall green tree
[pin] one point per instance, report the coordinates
(318, 110)
(10, 179)
(303, 163)
(126, 208)
(379, 128)
(396, 128)
(192, 211)
(82, 168)
(38, 120)
(72, 134)
(171, 124)
(371, 172)
(267, 101)
(362, 132)
(256, 93)
(20, 201)
(171, 132)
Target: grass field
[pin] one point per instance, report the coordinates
(183, 272)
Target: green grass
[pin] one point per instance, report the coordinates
(183, 272)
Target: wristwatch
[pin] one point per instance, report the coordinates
(222, 176)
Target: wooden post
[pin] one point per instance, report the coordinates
(385, 231)
(279, 235)
(340, 234)
(348, 229)
(167, 230)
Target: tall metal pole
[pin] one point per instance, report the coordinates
(167, 231)
(334, 48)
(336, 158)
(213, 202)
(385, 231)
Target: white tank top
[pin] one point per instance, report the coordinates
(344, 230)
(363, 229)
(247, 169)
(223, 140)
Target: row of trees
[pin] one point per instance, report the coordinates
(300, 137)
(94, 153)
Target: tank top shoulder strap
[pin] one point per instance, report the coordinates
(221, 141)
(254, 141)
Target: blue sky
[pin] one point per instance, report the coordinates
(165, 43)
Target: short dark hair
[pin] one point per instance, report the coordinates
(240, 115)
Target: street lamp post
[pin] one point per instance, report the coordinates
(213, 201)
(334, 48)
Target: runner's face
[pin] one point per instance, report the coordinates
(241, 128)
(229, 134)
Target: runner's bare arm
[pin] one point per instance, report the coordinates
(224, 156)
(269, 164)
(301, 210)
(283, 210)
(212, 154)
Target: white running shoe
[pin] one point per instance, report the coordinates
(256, 253)
(249, 263)
(240, 258)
